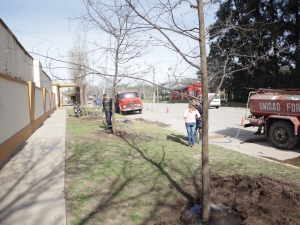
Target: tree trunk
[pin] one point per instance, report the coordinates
(114, 87)
(205, 152)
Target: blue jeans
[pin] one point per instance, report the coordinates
(190, 128)
(108, 119)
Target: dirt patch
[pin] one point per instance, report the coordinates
(294, 161)
(160, 124)
(259, 200)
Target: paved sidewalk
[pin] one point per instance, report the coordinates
(32, 182)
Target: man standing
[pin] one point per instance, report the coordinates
(199, 107)
(94, 101)
(107, 109)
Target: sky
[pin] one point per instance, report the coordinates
(44, 27)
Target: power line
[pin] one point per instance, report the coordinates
(38, 37)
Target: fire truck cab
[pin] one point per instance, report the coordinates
(127, 101)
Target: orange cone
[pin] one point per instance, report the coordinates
(147, 108)
(243, 121)
(167, 111)
(152, 109)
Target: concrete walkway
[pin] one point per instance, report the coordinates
(32, 182)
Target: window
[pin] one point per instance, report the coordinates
(129, 95)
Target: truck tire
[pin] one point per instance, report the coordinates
(282, 135)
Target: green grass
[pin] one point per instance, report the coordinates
(130, 179)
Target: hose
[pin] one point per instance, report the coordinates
(221, 142)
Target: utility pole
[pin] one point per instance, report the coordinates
(170, 94)
(153, 99)
(157, 95)
(104, 77)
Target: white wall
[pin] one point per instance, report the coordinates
(37, 70)
(41, 79)
(47, 101)
(14, 60)
(53, 100)
(14, 108)
(46, 82)
(55, 91)
(39, 107)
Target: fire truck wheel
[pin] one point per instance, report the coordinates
(282, 135)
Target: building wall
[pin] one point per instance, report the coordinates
(39, 108)
(48, 101)
(41, 79)
(14, 60)
(24, 104)
(14, 108)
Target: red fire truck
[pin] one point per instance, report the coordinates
(128, 101)
(277, 111)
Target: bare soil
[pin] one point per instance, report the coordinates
(259, 200)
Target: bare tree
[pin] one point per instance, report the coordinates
(116, 21)
(79, 63)
(184, 19)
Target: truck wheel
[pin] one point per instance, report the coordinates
(140, 111)
(282, 135)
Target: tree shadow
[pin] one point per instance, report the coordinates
(24, 187)
(181, 139)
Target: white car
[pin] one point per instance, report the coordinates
(216, 102)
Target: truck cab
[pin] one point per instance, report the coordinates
(128, 101)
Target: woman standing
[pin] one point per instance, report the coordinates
(190, 115)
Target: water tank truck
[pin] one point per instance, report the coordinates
(277, 111)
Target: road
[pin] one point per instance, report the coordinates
(224, 126)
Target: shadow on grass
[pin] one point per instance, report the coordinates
(173, 183)
(178, 138)
(108, 198)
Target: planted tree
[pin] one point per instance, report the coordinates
(117, 22)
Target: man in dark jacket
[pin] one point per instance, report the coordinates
(107, 109)
(199, 107)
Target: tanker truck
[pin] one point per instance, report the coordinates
(277, 112)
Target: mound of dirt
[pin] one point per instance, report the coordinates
(259, 200)
(160, 124)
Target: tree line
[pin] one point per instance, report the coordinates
(265, 40)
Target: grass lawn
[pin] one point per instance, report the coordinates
(136, 176)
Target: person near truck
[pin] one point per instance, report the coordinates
(94, 101)
(199, 107)
(107, 109)
(190, 115)
(98, 102)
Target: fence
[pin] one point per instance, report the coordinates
(27, 97)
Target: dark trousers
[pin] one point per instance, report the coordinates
(108, 119)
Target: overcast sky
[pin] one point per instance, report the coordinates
(44, 27)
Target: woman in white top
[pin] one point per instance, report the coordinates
(190, 115)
